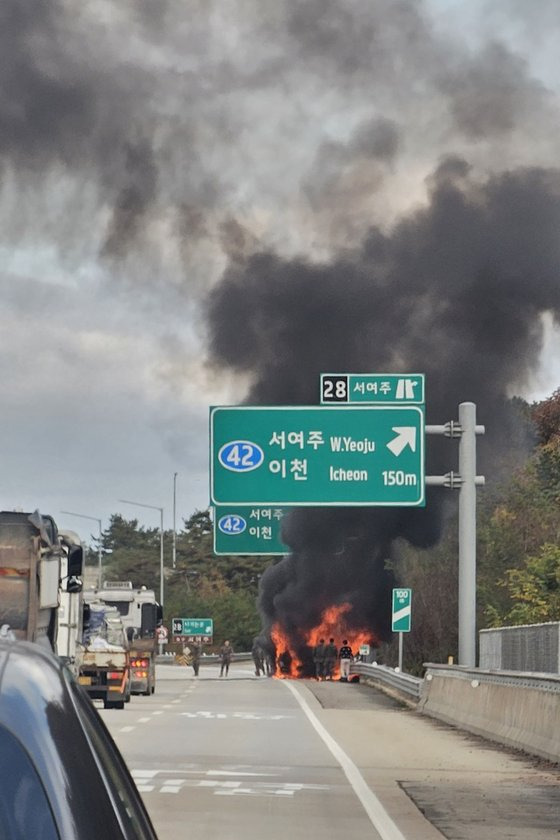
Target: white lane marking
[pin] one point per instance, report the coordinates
(175, 701)
(377, 814)
(236, 715)
(127, 728)
(143, 720)
(157, 713)
(235, 773)
(147, 782)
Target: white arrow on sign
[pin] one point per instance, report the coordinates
(406, 436)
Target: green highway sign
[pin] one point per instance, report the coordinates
(383, 388)
(402, 609)
(318, 455)
(248, 530)
(193, 627)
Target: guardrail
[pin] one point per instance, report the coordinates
(404, 684)
(166, 659)
(519, 709)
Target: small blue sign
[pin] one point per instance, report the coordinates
(240, 456)
(232, 524)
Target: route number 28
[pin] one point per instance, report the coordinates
(334, 389)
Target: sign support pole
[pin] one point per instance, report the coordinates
(400, 651)
(467, 535)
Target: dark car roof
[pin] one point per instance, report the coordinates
(89, 788)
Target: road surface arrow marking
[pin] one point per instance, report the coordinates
(406, 436)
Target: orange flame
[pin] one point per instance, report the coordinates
(333, 624)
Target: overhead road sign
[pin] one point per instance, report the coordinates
(382, 388)
(402, 610)
(249, 529)
(318, 455)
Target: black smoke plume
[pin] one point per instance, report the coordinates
(456, 290)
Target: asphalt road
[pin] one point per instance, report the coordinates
(250, 758)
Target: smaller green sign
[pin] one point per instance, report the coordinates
(248, 529)
(193, 627)
(402, 609)
(384, 388)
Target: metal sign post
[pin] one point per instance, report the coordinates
(466, 481)
(401, 616)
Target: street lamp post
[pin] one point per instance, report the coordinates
(154, 507)
(174, 552)
(99, 548)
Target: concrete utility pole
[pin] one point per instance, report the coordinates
(99, 547)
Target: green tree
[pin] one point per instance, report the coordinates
(535, 589)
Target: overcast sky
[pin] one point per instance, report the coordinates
(145, 148)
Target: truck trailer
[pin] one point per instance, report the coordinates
(141, 615)
(39, 567)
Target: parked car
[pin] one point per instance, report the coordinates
(61, 775)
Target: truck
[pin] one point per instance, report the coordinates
(141, 615)
(103, 656)
(39, 567)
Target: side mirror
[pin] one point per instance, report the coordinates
(75, 560)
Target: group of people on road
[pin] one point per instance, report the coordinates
(192, 652)
(325, 657)
(263, 660)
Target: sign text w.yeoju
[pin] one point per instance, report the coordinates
(318, 455)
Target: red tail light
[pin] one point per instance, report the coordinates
(139, 663)
(114, 675)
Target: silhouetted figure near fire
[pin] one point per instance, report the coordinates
(270, 663)
(331, 654)
(319, 659)
(258, 657)
(345, 655)
(285, 662)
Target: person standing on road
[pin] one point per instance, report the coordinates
(195, 656)
(226, 655)
(345, 655)
(331, 654)
(319, 659)
(258, 657)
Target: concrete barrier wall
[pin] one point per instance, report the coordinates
(521, 711)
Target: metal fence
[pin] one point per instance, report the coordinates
(404, 684)
(528, 647)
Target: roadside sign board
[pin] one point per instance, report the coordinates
(402, 610)
(162, 634)
(191, 629)
(248, 529)
(380, 388)
(318, 455)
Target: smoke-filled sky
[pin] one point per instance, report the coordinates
(209, 201)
